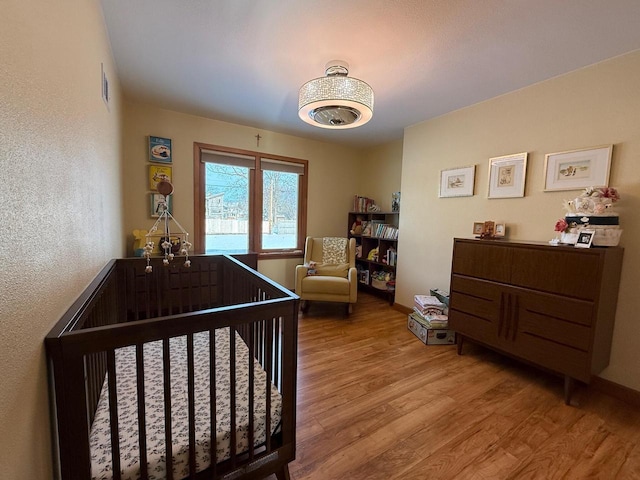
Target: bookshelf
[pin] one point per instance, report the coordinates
(379, 230)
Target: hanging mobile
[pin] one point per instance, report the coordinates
(165, 188)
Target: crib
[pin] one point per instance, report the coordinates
(197, 365)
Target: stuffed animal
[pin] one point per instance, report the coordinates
(373, 255)
(356, 228)
(312, 269)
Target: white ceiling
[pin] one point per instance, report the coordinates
(243, 61)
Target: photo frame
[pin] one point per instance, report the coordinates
(488, 228)
(457, 182)
(585, 238)
(478, 228)
(500, 230)
(157, 173)
(578, 169)
(160, 150)
(155, 200)
(507, 176)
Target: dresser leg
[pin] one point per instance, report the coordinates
(568, 389)
(459, 340)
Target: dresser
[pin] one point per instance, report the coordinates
(550, 306)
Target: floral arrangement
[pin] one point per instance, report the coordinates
(561, 225)
(602, 192)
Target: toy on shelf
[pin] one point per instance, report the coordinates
(356, 228)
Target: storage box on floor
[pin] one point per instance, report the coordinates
(434, 306)
(428, 335)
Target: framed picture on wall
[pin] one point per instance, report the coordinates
(158, 173)
(155, 204)
(507, 175)
(159, 149)
(457, 182)
(577, 169)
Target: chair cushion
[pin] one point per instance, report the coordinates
(339, 270)
(325, 284)
(334, 250)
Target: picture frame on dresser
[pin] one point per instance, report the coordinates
(457, 182)
(585, 238)
(507, 176)
(577, 169)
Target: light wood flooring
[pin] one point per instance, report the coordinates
(376, 403)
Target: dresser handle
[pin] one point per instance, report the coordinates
(516, 316)
(501, 316)
(506, 335)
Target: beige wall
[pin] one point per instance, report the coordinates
(593, 106)
(61, 201)
(332, 170)
(380, 173)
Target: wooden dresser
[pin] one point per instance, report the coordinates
(553, 307)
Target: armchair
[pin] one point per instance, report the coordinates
(335, 278)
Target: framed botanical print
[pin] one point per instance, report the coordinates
(577, 169)
(457, 182)
(507, 175)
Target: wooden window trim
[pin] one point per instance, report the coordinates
(255, 202)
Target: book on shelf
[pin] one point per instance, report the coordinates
(392, 257)
(385, 231)
(361, 204)
(363, 276)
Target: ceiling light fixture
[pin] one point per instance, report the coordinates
(335, 100)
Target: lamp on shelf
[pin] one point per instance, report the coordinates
(335, 100)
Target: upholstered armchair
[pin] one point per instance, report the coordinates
(329, 272)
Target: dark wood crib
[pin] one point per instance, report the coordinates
(125, 311)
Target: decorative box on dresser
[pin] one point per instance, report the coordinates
(551, 306)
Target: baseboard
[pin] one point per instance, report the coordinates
(626, 394)
(402, 308)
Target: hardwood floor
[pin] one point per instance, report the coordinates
(376, 403)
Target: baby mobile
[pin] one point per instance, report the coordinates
(165, 188)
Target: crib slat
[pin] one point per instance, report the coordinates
(213, 444)
(168, 440)
(232, 393)
(277, 353)
(268, 367)
(142, 429)
(158, 283)
(251, 399)
(192, 408)
(113, 414)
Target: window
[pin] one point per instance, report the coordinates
(249, 202)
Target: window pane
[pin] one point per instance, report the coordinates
(279, 210)
(226, 208)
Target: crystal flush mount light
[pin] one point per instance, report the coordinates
(335, 100)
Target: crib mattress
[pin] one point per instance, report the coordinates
(100, 441)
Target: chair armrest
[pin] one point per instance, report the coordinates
(301, 272)
(353, 284)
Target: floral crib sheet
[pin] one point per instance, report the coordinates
(100, 441)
